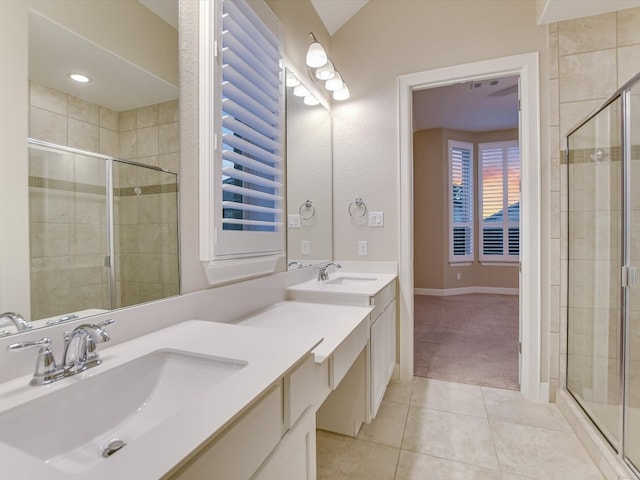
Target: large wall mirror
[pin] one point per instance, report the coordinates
(309, 176)
(103, 157)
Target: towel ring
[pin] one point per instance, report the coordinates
(307, 206)
(359, 203)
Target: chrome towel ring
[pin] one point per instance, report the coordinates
(311, 210)
(359, 204)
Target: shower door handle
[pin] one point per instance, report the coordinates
(629, 276)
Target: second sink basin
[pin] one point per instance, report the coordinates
(345, 280)
(70, 428)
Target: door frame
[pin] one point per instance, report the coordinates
(526, 66)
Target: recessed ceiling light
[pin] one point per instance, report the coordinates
(79, 78)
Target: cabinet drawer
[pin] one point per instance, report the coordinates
(299, 388)
(347, 352)
(238, 451)
(382, 299)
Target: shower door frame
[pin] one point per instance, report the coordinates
(627, 270)
(110, 206)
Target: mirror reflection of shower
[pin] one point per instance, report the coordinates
(103, 232)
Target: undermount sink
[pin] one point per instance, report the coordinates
(350, 280)
(71, 428)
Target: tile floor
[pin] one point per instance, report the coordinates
(437, 430)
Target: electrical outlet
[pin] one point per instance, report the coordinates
(293, 221)
(458, 276)
(305, 247)
(362, 247)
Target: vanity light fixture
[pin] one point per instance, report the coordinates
(79, 78)
(316, 55)
(321, 68)
(311, 100)
(301, 91)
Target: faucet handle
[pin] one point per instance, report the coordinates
(46, 369)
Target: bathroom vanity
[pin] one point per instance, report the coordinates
(236, 393)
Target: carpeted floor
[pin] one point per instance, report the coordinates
(468, 339)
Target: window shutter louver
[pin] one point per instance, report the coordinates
(461, 197)
(499, 170)
(251, 120)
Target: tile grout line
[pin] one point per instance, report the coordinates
(404, 429)
(493, 440)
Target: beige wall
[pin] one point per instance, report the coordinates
(432, 269)
(589, 59)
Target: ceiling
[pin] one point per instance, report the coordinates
(335, 13)
(484, 105)
(55, 52)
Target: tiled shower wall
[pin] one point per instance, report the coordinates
(590, 59)
(147, 135)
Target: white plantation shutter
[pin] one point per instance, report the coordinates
(461, 201)
(499, 171)
(247, 122)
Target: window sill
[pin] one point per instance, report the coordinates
(499, 264)
(460, 264)
(220, 272)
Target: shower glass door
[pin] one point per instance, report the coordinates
(632, 418)
(595, 258)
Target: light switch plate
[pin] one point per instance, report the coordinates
(376, 219)
(362, 248)
(293, 221)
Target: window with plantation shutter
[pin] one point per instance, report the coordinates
(242, 131)
(461, 201)
(499, 172)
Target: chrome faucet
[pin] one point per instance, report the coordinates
(18, 320)
(80, 353)
(322, 272)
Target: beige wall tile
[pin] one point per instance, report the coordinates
(168, 112)
(108, 142)
(554, 211)
(628, 31)
(84, 136)
(574, 112)
(127, 120)
(554, 102)
(170, 162)
(587, 34)
(82, 110)
(169, 139)
(628, 63)
(47, 98)
(108, 118)
(553, 55)
(147, 116)
(47, 126)
(128, 145)
(588, 76)
(147, 141)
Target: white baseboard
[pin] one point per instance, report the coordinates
(543, 392)
(445, 292)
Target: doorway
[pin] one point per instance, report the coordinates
(526, 66)
(466, 170)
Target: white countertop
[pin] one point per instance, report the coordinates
(352, 294)
(269, 353)
(332, 322)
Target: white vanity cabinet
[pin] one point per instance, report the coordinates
(259, 443)
(382, 355)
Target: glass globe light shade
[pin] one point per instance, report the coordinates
(334, 83)
(326, 71)
(311, 100)
(342, 94)
(301, 91)
(316, 56)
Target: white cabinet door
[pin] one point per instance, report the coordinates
(383, 354)
(295, 456)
